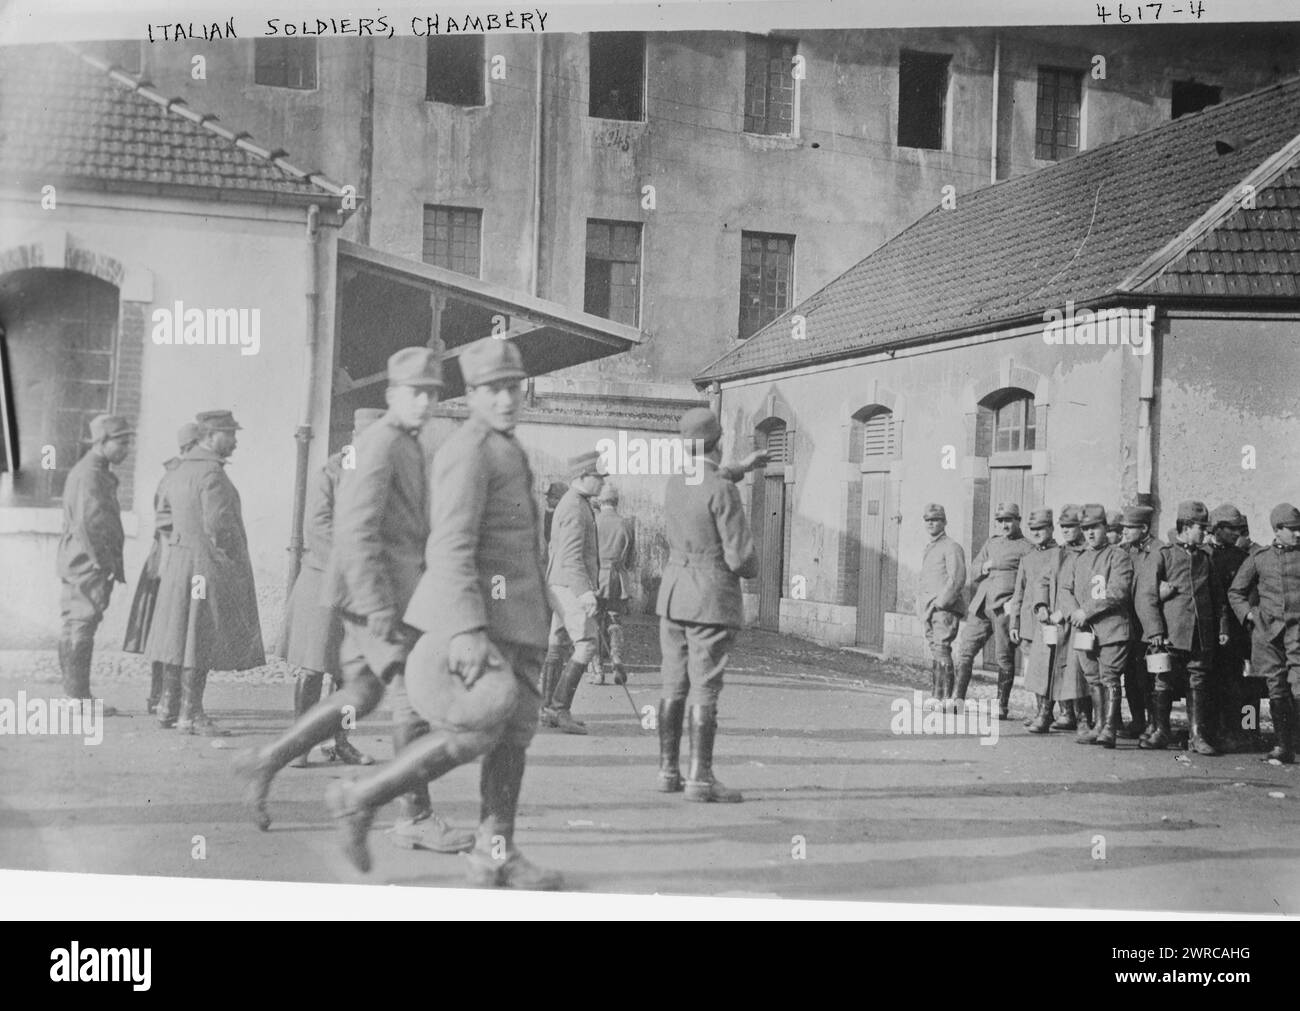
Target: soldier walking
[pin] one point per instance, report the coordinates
(313, 632)
(1139, 684)
(206, 615)
(573, 574)
(1036, 566)
(616, 546)
(1095, 594)
(473, 672)
(90, 550)
(381, 523)
(1181, 605)
(993, 576)
(939, 599)
(709, 551)
(1270, 577)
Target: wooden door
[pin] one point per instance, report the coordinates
(873, 561)
(770, 574)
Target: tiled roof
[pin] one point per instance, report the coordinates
(1105, 223)
(67, 117)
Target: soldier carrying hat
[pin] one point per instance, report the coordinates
(90, 550)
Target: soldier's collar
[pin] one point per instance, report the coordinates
(203, 453)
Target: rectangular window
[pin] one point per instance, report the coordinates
(1060, 99)
(1189, 97)
(454, 70)
(922, 98)
(766, 279)
(1013, 427)
(451, 238)
(769, 85)
(613, 281)
(616, 75)
(285, 63)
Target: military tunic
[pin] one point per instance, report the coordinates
(1037, 564)
(1271, 576)
(313, 632)
(145, 600)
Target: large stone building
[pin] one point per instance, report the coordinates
(1121, 327)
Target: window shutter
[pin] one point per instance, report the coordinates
(878, 437)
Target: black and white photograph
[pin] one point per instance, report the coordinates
(753, 451)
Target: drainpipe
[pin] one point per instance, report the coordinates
(1146, 402)
(303, 432)
(997, 87)
(536, 279)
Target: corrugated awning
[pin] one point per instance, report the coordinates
(387, 301)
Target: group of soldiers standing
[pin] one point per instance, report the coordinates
(428, 587)
(1111, 611)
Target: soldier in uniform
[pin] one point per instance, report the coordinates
(1069, 689)
(381, 523)
(1181, 606)
(993, 577)
(206, 615)
(1114, 526)
(313, 632)
(1138, 682)
(1036, 566)
(1096, 593)
(1239, 694)
(472, 673)
(554, 492)
(616, 546)
(939, 598)
(573, 574)
(145, 600)
(709, 551)
(1265, 594)
(90, 550)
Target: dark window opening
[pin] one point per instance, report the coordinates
(285, 63)
(1189, 97)
(766, 279)
(1060, 101)
(452, 238)
(769, 85)
(613, 279)
(922, 98)
(616, 75)
(1014, 425)
(454, 71)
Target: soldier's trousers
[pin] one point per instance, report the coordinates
(82, 605)
(694, 660)
(1279, 663)
(940, 631)
(979, 629)
(611, 631)
(570, 624)
(1104, 665)
(1189, 670)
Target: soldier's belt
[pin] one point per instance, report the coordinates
(701, 560)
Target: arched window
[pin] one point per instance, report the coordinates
(776, 443)
(879, 437)
(1013, 424)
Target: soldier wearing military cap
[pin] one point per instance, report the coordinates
(554, 492)
(313, 632)
(993, 580)
(709, 551)
(1069, 689)
(1036, 566)
(195, 632)
(1114, 526)
(381, 523)
(146, 589)
(472, 673)
(1229, 545)
(573, 574)
(1139, 683)
(1181, 606)
(1095, 594)
(1265, 594)
(617, 546)
(940, 598)
(90, 550)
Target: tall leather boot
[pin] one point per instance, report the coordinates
(1232, 738)
(1113, 701)
(671, 712)
(1200, 710)
(948, 683)
(193, 719)
(1005, 681)
(355, 803)
(494, 862)
(70, 686)
(156, 675)
(935, 697)
(1067, 720)
(964, 668)
(417, 826)
(257, 767)
(1162, 703)
(1135, 691)
(343, 750)
(1285, 718)
(1096, 712)
(169, 702)
(1042, 722)
(306, 693)
(700, 783)
(549, 680)
(563, 698)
